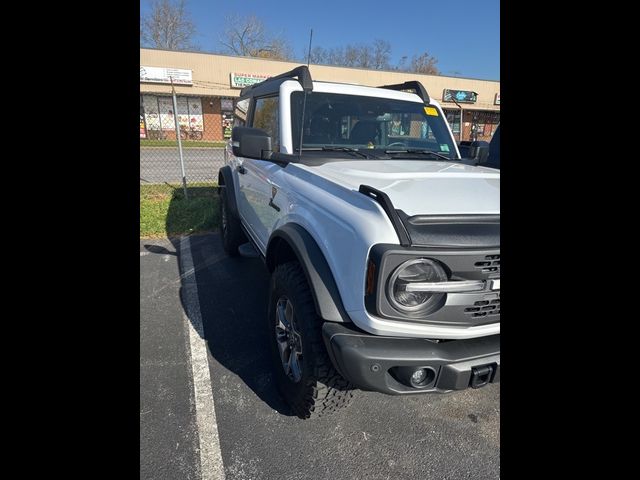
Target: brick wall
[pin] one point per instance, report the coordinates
(212, 119)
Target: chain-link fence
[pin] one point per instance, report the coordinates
(160, 162)
(176, 145)
(171, 169)
(167, 173)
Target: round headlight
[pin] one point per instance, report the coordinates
(415, 271)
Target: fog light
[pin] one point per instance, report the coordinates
(418, 377)
(415, 377)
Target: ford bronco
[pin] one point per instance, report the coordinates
(383, 247)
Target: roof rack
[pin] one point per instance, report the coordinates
(302, 72)
(412, 85)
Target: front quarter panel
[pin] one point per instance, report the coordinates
(344, 224)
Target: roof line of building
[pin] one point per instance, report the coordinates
(318, 64)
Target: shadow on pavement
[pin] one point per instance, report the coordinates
(158, 249)
(232, 296)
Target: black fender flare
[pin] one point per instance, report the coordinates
(225, 180)
(325, 292)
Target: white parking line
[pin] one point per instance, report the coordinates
(211, 466)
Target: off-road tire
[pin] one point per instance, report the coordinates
(230, 229)
(321, 390)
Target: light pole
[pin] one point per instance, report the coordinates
(175, 118)
(461, 115)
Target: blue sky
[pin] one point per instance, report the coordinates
(463, 35)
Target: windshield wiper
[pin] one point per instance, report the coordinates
(346, 149)
(425, 152)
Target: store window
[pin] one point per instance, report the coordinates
(158, 116)
(484, 124)
(453, 118)
(265, 117)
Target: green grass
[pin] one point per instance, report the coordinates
(165, 212)
(185, 143)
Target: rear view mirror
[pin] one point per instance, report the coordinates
(251, 143)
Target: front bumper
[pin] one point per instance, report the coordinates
(375, 363)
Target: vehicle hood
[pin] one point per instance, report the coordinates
(421, 187)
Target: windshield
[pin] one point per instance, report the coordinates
(369, 124)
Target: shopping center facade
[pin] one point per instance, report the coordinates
(206, 86)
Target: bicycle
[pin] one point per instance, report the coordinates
(157, 134)
(190, 133)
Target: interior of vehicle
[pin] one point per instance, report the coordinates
(369, 122)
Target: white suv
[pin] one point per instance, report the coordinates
(383, 248)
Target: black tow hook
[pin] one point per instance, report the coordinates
(482, 375)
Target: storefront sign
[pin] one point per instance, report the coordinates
(164, 75)
(241, 80)
(497, 100)
(460, 96)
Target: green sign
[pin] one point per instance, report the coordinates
(241, 80)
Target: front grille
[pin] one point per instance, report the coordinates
(484, 308)
(490, 264)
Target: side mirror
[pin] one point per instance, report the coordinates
(251, 143)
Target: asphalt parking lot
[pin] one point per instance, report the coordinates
(209, 407)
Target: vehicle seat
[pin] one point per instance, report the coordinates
(319, 130)
(365, 131)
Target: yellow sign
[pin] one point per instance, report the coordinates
(431, 111)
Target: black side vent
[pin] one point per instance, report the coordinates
(490, 264)
(484, 308)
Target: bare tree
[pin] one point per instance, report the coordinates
(381, 54)
(143, 35)
(374, 56)
(351, 54)
(335, 56)
(425, 64)
(168, 26)
(318, 55)
(248, 37)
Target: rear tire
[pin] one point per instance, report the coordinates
(230, 229)
(319, 389)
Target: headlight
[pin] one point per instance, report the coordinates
(415, 271)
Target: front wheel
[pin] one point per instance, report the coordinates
(305, 376)
(230, 229)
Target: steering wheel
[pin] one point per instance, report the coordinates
(401, 144)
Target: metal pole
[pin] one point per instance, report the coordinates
(461, 115)
(175, 118)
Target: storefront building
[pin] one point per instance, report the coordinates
(206, 86)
